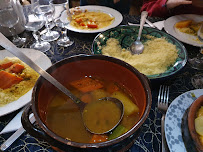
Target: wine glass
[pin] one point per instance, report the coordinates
(62, 7)
(197, 62)
(33, 23)
(9, 18)
(46, 11)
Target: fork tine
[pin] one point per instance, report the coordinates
(159, 96)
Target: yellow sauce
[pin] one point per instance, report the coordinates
(91, 20)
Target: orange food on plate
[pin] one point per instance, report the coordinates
(7, 79)
(91, 20)
(16, 79)
(183, 24)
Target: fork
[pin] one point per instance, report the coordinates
(163, 106)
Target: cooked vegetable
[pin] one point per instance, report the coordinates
(119, 130)
(129, 106)
(86, 84)
(16, 68)
(99, 93)
(98, 138)
(112, 87)
(183, 24)
(92, 25)
(86, 98)
(5, 65)
(8, 79)
(199, 125)
(200, 112)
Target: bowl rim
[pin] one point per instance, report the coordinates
(191, 121)
(140, 76)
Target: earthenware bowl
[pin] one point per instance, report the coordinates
(74, 68)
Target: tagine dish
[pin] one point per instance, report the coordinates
(90, 20)
(184, 27)
(189, 29)
(199, 124)
(16, 79)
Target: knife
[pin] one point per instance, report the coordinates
(15, 136)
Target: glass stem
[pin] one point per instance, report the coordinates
(36, 35)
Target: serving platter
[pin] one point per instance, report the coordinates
(41, 60)
(94, 8)
(173, 119)
(171, 21)
(127, 34)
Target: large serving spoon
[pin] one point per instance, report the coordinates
(8, 45)
(137, 47)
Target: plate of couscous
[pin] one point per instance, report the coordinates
(17, 79)
(163, 55)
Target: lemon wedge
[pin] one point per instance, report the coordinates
(199, 125)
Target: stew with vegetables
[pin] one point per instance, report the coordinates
(64, 118)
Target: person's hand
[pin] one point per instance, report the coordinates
(173, 3)
(116, 1)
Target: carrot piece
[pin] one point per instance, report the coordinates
(112, 87)
(82, 24)
(16, 68)
(92, 25)
(98, 138)
(86, 98)
(5, 65)
(86, 84)
(183, 24)
(7, 79)
(78, 20)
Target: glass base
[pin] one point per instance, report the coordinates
(19, 41)
(42, 46)
(65, 42)
(196, 63)
(197, 81)
(50, 36)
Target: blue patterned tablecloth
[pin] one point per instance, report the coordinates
(150, 137)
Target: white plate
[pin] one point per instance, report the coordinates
(112, 12)
(171, 21)
(41, 60)
(173, 119)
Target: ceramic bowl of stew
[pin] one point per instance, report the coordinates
(89, 78)
(195, 121)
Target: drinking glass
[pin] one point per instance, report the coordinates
(34, 23)
(62, 6)
(46, 11)
(9, 18)
(197, 62)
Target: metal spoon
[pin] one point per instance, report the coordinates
(8, 45)
(137, 47)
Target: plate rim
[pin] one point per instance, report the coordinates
(113, 12)
(170, 22)
(196, 91)
(25, 99)
(157, 76)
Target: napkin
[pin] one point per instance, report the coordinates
(14, 124)
(159, 25)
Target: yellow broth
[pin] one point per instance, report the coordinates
(101, 116)
(64, 118)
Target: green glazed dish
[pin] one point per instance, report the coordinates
(126, 35)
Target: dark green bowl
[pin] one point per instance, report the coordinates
(128, 34)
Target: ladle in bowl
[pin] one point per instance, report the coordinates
(8, 45)
(137, 47)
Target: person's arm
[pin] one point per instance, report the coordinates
(155, 7)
